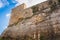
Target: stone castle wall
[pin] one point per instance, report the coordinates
(22, 12)
(16, 13)
(39, 22)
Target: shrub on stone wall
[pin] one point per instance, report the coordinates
(53, 6)
(35, 9)
(59, 2)
(1, 39)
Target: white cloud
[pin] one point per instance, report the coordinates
(8, 15)
(1, 4)
(20, 2)
(29, 2)
(5, 2)
(5, 27)
(13, 1)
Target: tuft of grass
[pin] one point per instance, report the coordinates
(59, 2)
(1, 39)
(41, 37)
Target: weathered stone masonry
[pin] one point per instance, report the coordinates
(39, 22)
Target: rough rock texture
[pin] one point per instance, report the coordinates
(16, 13)
(39, 22)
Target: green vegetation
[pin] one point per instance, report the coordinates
(53, 6)
(1, 39)
(35, 9)
(59, 2)
(50, 2)
(42, 38)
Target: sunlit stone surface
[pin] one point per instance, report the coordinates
(39, 22)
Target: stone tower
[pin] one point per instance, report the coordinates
(16, 13)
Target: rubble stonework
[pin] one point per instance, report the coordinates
(39, 22)
(16, 13)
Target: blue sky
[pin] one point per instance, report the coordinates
(5, 10)
(6, 7)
